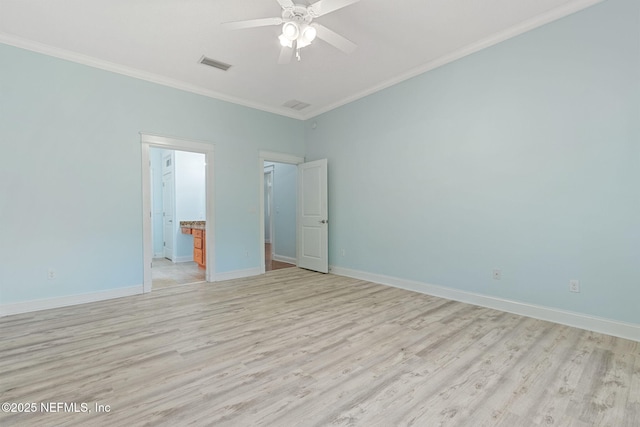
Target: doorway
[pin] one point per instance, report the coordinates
(147, 142)
(178, 194)
(280, 198)
(277, 221)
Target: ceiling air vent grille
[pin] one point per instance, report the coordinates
(296, 105)
(215, 64)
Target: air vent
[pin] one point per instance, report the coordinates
(215, 64)
(296, 105)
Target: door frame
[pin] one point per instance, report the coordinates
(148, 140)
(271, 156)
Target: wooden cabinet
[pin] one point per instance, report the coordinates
(199, 240)
(199, 247)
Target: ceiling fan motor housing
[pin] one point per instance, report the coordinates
(298, 14)
(298, 28)
(296, 23)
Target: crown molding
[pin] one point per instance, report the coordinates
(542, 19)
(523, 27)
(137, 74)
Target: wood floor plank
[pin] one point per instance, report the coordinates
(297, 348)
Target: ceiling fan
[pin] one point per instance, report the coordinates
(298, 28)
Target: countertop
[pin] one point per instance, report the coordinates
(198, 225)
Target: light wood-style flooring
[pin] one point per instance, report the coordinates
(296, 348)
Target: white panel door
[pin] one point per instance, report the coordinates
(168, 205)
(313, 219)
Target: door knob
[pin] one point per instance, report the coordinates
(324, 221)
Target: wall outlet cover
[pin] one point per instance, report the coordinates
(574, 285)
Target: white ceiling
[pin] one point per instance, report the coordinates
(163, 41)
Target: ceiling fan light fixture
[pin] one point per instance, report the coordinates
(285, 41)
(290, 30)
(309, 34)
(306, 36)
(298, 28)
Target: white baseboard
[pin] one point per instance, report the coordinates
(616, 328)
(188, 258)
(45, 304)
(237, 274)
(287, 259)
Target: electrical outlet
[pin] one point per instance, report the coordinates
(51, 274)
(343, 252)
(497, 274)
(574, 285)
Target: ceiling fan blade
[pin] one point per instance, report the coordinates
(285, 3)
(286, 53)
(334, 39)
(323, 7)
(251, 23)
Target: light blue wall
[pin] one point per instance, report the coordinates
(524, 157)
(70, 182)
(285, 178)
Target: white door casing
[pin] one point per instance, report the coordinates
(313, 216)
